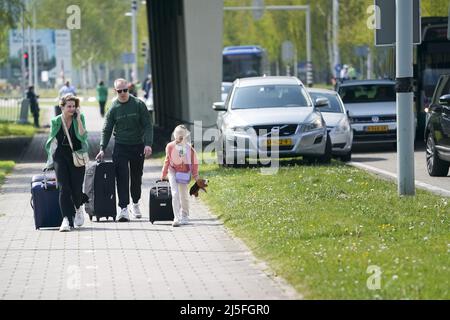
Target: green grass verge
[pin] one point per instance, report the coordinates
(321, 227)
(14, 129)
(5, 168)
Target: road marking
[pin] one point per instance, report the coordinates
(392, 176)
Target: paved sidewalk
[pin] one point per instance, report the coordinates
(135, 260)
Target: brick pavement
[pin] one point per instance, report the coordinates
(135, 260)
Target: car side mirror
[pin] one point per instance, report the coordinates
(219, 106)
(445, 100)
(321, 102)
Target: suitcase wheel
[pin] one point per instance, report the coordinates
(114, 218)
(97, 218)
(90, 217)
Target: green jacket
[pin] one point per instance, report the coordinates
(130, 121)
(102, 93)
(52, 143)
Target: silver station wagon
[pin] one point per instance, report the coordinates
(266, 115)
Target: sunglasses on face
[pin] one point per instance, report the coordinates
(122, 90)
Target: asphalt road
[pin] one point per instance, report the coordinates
(382, 159)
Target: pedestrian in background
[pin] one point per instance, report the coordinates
(102, 97)
(132, 89)
(34, 105)
(147, 86)
(133, 131)
(66, 89)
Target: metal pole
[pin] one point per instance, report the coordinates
(22, 83)
(35, 62)
(295, 62)
(134, 76)
(309, 75)
(369, 64)
(30, 58)
(405, 117)
(336, 55)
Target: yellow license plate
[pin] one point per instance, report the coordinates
(377, 129)
(278, 142)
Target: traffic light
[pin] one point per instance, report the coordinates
(26, 58)
(144, 49)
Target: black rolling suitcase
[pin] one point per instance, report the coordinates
(45, 201)
(161, 202)
(100, 187)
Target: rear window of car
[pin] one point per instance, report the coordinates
(270, 96)
(368, 93)
(333, 102)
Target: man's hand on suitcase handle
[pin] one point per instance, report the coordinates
(100, 156)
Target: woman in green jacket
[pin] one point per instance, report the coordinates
(70, 178)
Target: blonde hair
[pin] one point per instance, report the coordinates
(181, 131)
(120, 80)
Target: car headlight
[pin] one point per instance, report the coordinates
(342, 126)
(239, 130)
(316, 124)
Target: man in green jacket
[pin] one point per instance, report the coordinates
(133, 132)
(102, 96)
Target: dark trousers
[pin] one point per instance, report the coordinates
(129, 162)
(70, 182)
(36, 118)
(102, 107)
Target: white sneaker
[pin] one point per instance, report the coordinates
(65, 226)
(184, 219)
(175, 223)
(136, 210)
(79, 217)
(123, 215)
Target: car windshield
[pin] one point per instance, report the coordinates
(368, 93)
(334, 104)
(270, 96)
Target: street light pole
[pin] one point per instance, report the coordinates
(134, 74)
(336, 56)
(405, 116)
(35, 61)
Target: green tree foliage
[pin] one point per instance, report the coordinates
(10, 12)
(276, 26)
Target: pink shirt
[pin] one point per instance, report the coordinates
(180, 163)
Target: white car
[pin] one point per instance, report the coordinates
(371, 106)
(263, 113)
(337, 122)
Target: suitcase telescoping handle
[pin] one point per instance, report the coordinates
(162, 183)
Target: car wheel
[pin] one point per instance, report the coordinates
(347, 157)
(435, 166)
(326, 158)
